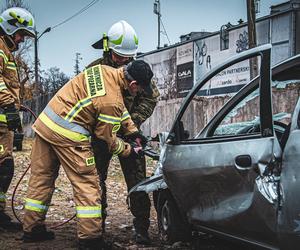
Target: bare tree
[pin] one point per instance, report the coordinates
(53, 80)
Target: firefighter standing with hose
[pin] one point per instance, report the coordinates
(119, 48)
(15, 24)
(90, 103)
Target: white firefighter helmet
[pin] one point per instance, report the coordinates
(14, 19)
(122, 39)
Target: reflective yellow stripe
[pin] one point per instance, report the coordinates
(3, 118)
(88, 211)
(120, 147)
(2, 86)
(125, 115)
(62, 131)
(1, 151)
(77, 108)
(94, 81)
(5, 58)
(109, 119)
(12, 66)
(116, 128)
(35, 205)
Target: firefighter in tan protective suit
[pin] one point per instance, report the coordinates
(90, 103)
(15, 24)
(120, 48)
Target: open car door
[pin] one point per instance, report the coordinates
(214, 175)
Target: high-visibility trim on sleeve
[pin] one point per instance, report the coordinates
(35, 205)
(5, 58)
(109, 119)
(3, 118)
(88, 211)
(62, 131)
(2, 197)
(119, 148)
(11, 65)
(125, 116)
(77, 108)
(2, 86)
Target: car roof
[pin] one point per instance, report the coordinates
(288, 69)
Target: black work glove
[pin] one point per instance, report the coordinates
(12, 117)
(136, 150)
(138, 138)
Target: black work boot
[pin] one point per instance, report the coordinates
(6, 223)
(142, 237)
(38, 233)
(93, 244)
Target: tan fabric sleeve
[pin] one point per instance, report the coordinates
(128, 126)
(5, 95)
(108, 123)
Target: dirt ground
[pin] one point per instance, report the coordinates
(119, 230)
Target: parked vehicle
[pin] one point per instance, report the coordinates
(238, 175)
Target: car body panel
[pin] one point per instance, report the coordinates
(289, 214)
(233, 186)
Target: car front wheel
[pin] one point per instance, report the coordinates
(172, 227)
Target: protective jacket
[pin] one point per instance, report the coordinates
(9, 78)
(141, 106)
(9, 93)
(91, 103)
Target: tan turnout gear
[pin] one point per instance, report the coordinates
(140, 108)
(9, 78)
(90, 103)
(9, 94)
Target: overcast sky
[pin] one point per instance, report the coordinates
(59, 46)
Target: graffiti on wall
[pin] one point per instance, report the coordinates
(242, 43)
(163, 65)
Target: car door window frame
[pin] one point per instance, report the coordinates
(177, 132)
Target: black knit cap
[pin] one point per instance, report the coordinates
(141, 72)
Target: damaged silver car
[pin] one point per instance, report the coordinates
(234, 171)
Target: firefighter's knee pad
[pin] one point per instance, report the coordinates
(6, 173)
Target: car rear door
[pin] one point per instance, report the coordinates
(212, 176)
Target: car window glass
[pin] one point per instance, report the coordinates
(242, 119)
(213, 95)
(280, 91)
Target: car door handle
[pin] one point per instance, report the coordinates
(243, 162)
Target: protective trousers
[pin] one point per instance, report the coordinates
(6, 163)
(134, 171)
(79, 166)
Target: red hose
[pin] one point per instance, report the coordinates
(23, 108)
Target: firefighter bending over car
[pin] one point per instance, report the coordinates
(15, 24)
(119, 48)
(90, 103)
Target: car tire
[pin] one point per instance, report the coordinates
(172, 227)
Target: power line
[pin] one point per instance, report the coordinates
(76, 14)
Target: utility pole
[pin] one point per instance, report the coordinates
(156, 10)
(76, 67)
(252, 36)
(36, 59)
(36, 64)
